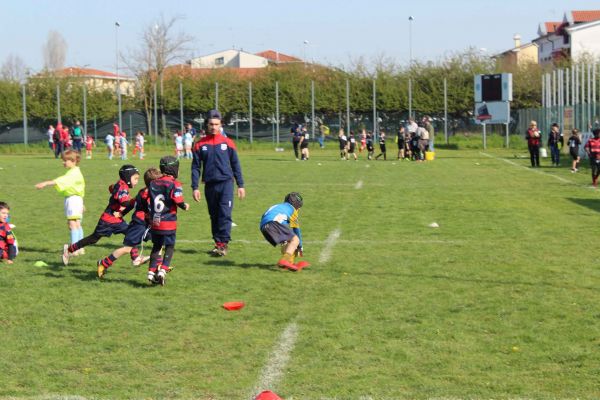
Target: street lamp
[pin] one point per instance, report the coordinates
(306, 43)
(117, 25)
(410, 20)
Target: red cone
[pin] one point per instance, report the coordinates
(267, 395)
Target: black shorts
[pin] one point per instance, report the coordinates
(136, 233)
(400, 144)
(106, 229)
(351, 149)
(277, 233)
(163, 240)
(304, 145)
(574, 153)
(370, 147)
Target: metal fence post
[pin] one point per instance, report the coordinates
(85, 130)
(58, 116)
(181, 106)
(250, 109)
(277, 109)
(25, 133)
(155, 115)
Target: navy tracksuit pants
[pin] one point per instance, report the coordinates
(219, 198)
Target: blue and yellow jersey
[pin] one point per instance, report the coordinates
(283, 213)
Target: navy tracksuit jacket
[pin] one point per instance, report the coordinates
(217, 163)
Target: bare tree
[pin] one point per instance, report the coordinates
(13, 69)
(158, 48)
(54, 51)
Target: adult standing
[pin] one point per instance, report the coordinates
(412, 126)
(430, 131)
(423, 144)
(296, 136)
(556, 141)
(534, 138)
(191, 130)
(77, 134)
(216, 163)
(57, 138)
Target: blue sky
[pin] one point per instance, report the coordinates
(337, 31)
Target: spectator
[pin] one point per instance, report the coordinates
(295, 131)
(423, 143)
(412, 126)
(191, 130)
(77, 136)
(430, 131)
(57, 138)
(556, 142)
(533, 143)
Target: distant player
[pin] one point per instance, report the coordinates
(592, 148)
(304, 140)
(352, 146)
(71, 185)
(573, 143)
(370, 147)
(188, 142)
(139, 144)
(166, 195)
(89, 144)
(138, 229)
(279, 225)
(178, 144)
(343, 141)
(111, 221)
(8, 248)
(382, 150)
(110, 145)
(123, 145)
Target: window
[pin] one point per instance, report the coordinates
(566, 39)
(220, 61)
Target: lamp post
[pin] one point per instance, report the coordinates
(410, 20)
(306, 43)
(117, 25)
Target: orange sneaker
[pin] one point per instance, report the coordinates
(302, 264)
(283, 263)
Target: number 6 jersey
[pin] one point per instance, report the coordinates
(166, 195)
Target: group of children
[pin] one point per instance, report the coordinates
(117, 143)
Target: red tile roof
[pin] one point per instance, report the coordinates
(551, 27)
(187, 70)
(88, 72)
(585, 15)
(275, 56)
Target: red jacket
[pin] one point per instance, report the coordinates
(531, 139)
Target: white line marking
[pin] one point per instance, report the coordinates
(273, 371)
(528, 169)
(358, 185)
(329, 243)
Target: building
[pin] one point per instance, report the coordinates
(519, 55)
(275, 57)
(229, 59)
(576, 35)
(96, 79)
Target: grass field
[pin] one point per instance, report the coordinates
(500, 301)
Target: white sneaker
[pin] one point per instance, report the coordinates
(162, 277)
(65, 254)
(140, 260)
(151, 277)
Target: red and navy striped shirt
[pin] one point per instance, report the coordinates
(141, 212)
(119, 202)
(6, 236)
(166, 194)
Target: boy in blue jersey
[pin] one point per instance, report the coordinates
(279, 225)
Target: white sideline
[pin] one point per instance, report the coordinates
(329, 243)
(273, 370)
(358, 185)
(529, 169)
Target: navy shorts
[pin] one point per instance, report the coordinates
(135, 234)
(107, 229)
(163, 240)
(277, 233)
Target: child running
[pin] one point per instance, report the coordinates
(343, 140)
(8, 248)
(279, 225)
(71, 185)
(166, 195)
(188, 141)
(137, 231)
(111, 221)
(352, 146)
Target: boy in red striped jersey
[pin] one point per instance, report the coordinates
(111, 221)
(137, 230)
(166, 195)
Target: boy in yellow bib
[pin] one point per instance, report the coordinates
(72, 186)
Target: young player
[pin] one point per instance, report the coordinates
(343, 140)
(370, 148)
(123, 145)
(188, 142)
(89, 143)
(363, 140)
(592, 148)
(8, 248)
(400, 137)
(137, 231)
(352, 146)
(382, 151)
(574, 142)
(279, 225)
(304, 139)
(166, 195)
(110, 142)
(178, 145)
(111, 221)
(72, 186)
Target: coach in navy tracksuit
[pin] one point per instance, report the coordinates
(216, 161)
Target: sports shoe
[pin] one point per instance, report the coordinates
(151, 278)
(65, 254)
(283, 263)
(101, 269)
(161, 277)
(302, 264)
(140, 260)
(220, 250)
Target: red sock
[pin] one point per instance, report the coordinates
(134, 253)
(108, 261)
(73, 248)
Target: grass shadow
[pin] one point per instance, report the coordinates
(219, 262)
(592, 204)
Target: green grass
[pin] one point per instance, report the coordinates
(501, 301)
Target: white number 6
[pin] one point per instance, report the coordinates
(159, 204)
